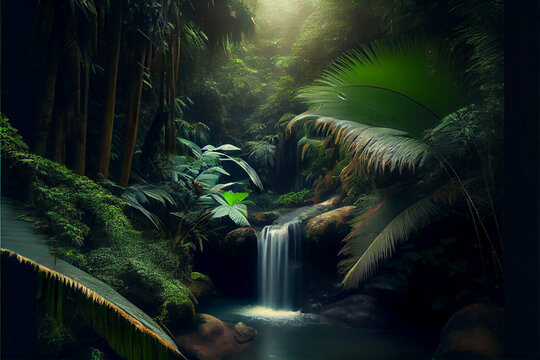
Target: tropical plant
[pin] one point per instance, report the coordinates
(138, 197)
(229, 204)
(203, 167)
(193, 231)
(377, 103)
(262, 155)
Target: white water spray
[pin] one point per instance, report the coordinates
(279, 249)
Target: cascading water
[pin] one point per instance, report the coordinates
(279, 251)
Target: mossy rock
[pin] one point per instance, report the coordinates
(200, 285)
(262, 218)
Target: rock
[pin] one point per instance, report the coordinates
(324, 234)
(262, 218)
(244, 333)
(329, 223)
(474, 332)
(212, 339)
(200, 285)
(362, 311)
(232, 264)
(238, 238)
(178, 315)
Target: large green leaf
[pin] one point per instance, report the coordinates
(233, 198)
(132, 338)
(409, 85)
(237, 214)
(248, 169)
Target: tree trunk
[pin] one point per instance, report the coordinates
(149, 147)
(46, 104)
(52, 42)
(135, 91)
(110, 88)
(170, 128)
(60, 117)
(80, 151)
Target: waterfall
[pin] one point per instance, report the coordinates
(279, 252)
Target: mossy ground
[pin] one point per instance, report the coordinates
(90, 229)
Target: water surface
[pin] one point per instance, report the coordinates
(297, 336)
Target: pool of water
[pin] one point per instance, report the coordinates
(297, 336)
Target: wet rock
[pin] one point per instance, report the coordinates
(327, 224)
(362, 311)
(244, 333)
(232, 265)
(238, 238)
(474, 332)
(262, 218)
(324, 234)
(212, 339)
(200, 285)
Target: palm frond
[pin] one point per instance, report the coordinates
(404, 84)
(373, 149)
(377, 234)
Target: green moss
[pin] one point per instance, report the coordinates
(10, 140)
(93, 233)
(198, 276)
(293, 198)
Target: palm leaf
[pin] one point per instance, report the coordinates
(404, 84)
(377, 234)
(373, 149)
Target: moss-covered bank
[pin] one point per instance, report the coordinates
(91, 231)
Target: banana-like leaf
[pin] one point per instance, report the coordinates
(237, 213)
(207, 181)
(248, 169)
(227, 147)
(197, 151)
(216, 169)
(404, 84)
(124, 333)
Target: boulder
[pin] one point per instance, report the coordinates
(232, 265)
(244, 333)
(200, 285)
(324, 234)
(178, 315)
(212, 339)
(238, 239)
(362, 311)
(262, 218)
(474, 332)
